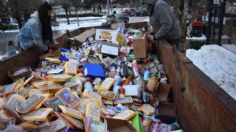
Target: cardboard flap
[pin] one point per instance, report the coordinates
(115, 125)
(86, 34)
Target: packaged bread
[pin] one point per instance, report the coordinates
(28, 126)
(125, 115)
(46, 85)
(59, 77)
(107, 84)
(7, 89)
(53, 60)
(147, 109)
(55, 126)
(53, 102)
(68, 98)
(10, 106)
(29, 104)
(71, 112)
(71, 67)
(46, 96)
(38, 115)
(90, 94)
(24, 91)
(107, 94)
(93, 111)
(77, 123)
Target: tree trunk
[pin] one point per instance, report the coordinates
(77, 16)
(18, 19)
(67, 17)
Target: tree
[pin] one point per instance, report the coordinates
(21, 9)
(16, 7)
(66, 6)
(76, 4)
(3, 9)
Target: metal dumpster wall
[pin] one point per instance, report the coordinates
(202, 106)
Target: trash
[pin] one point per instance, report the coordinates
(132, 90)
(147, 109)
(67, 98)
(83, 37)
(71, 112)
(71, 67)
(110, 49)
(37, 115)
(141, 46)
(101, 85)
(125, 115)
(94, 70)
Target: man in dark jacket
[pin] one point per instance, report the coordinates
(164, 23)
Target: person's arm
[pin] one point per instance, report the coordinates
(37, 36)
(163, 12)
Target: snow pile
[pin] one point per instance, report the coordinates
(231, 47)
(218, 63)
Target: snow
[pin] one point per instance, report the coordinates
(138, 19)
(218, 63)
(230, 47)
(198, 39)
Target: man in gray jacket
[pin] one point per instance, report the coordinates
(164, 23)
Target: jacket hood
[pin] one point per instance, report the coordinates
(35, 14)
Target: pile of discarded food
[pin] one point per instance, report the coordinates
(110, 84)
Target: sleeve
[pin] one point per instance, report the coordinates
(164, 14)
(37, 37)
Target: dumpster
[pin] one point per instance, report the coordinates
(195, 101)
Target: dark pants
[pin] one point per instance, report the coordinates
(175, 42)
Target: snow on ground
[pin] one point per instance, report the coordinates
(230, 47)
(218, 63)
(138, 19)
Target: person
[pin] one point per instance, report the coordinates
(163, 22)
(38, 31)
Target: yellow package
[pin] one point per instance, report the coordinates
(53, 60)
(91, 95)
(147, 109)
(71, 112)
(59, 77)
(38, 115)
(107, 84)
(71, 67)
(93, 111)
(125, 115)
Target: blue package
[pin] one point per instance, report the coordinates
(94, 70)
(64, 54)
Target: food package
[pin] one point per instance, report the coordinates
(7, 89)
(93, 111)
(37, 115)
(147, 109)
(67, 98)
(28, 105)
(71, 67)
(125, 115)
(77, 123)
(107, 94)
(59, 77)
(46, 85)
(71, 112)
(107, 84)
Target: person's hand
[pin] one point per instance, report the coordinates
(54, 46)
(151, 38)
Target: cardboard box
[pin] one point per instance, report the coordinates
(84, 36)
(116, 125)
(110, 49)
(110, 36)
(141, 46)
(163, 92)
